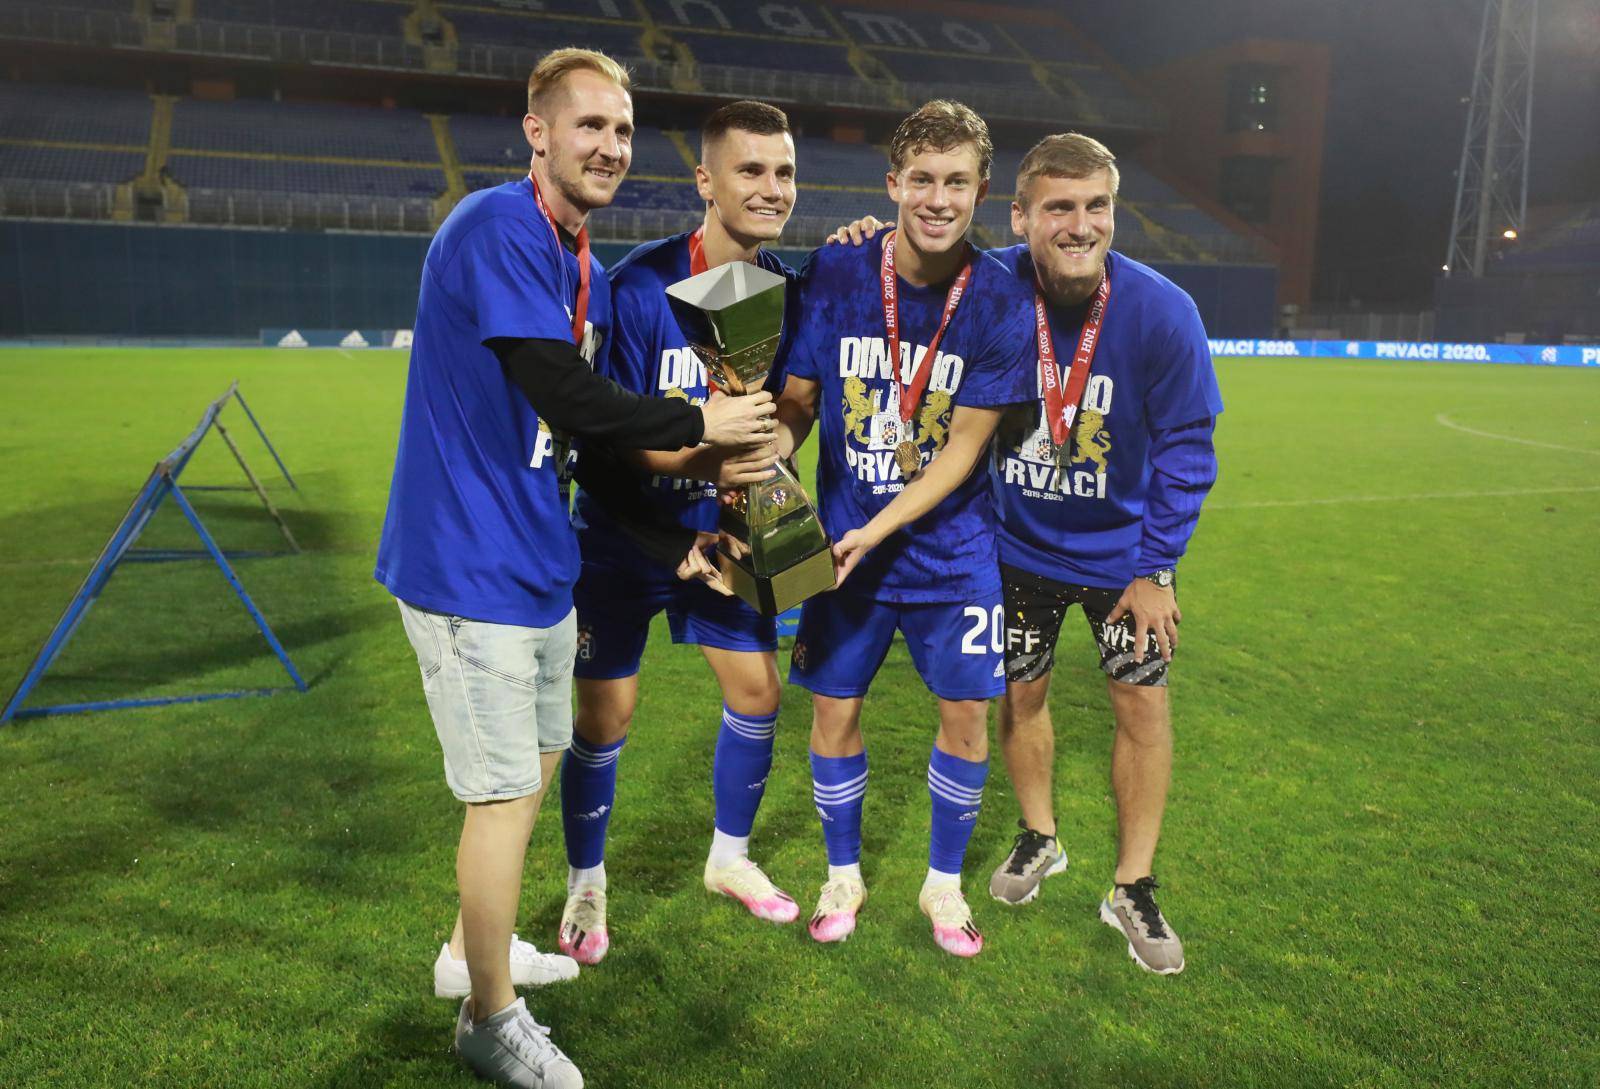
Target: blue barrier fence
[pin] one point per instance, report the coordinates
(159, 486)
(1388, 351)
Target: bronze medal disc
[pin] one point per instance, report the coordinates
(909, 458)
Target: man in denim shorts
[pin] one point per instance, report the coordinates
(477, 544)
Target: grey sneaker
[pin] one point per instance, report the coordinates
(511, 1048)
(1151, 943)
(1034, 856)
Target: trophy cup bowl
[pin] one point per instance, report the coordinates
(732, 316)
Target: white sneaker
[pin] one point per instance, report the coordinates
(511, 1048)
(529, 968)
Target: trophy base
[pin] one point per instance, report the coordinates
(779, 591)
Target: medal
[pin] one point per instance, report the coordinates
(580, 306)
(1061, 405)
(909, 457)
(906, 454)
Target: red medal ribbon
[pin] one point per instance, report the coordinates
(697, 251)
(911, 395)
(580, 309)
(1061, 406)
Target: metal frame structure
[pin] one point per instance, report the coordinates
(158, 486)
(1492, 179)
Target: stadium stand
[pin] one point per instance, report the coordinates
(754, 51)
(258, 162)
(348, 16)
(54, 112)
(541, 32)
(69, 164)
(303, 129)
(293, 176)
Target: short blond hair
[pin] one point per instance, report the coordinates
(557, 64)
(941, 125)
(1066, 155)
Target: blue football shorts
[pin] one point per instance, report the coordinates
(957, 648)
(616, 604)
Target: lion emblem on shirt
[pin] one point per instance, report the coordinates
(1093, 443)
(933, 422)
(857, 411)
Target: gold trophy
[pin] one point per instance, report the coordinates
(779, 555)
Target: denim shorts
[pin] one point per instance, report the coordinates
(499, 694)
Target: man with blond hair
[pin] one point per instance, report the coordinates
(746, 176)
(910, 350)
(477, 546)
(1099, 485)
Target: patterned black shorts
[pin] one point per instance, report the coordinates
(1035, 608)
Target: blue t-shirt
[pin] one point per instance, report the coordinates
(986, 360)
(647, 353)
(477, 525)
(1152, 371)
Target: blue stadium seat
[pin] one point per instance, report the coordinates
(69, 164)
(352, 16)
(821, 160)
(800, 21)
(654, 153)
(289, 176)
(124, 7)
(975, 38)
(1050, 45)
(917, 67)
(666, 195)
(749, 51)
(539, 33)
(49, 111)
(300, 128)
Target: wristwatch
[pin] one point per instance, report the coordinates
(1163, 578)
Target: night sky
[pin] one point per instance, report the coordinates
(1402, 73)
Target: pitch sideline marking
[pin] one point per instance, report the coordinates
(1342, 499)
(1445, 421)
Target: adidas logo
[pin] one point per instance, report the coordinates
(999, 670)
(292, 339)
(593, 814)
(969, 816)
(402, 339)
(354, 339)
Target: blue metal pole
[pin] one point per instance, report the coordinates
(238, 587)
(149, 497)
(152, 701)
(260, 431)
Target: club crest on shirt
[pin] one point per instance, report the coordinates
(871, 406)
(1027, 454)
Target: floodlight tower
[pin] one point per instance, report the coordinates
(1492, 181)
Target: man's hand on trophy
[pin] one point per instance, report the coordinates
(859, 231)
(697, 565)
(747, 466)
(848, 551)
(735, 422)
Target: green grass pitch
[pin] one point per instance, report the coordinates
(1380, 846)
